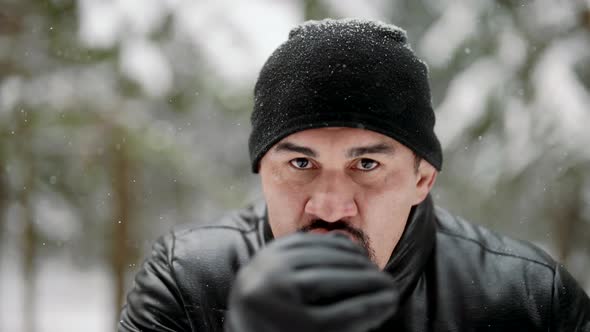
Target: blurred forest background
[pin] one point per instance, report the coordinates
(122, 118)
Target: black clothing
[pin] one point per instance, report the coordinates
(313, 283)
(451, 276)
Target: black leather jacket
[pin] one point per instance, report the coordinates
(453, 276)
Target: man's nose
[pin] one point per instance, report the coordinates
(332, 198)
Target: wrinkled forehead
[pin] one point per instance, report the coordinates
(337, 138)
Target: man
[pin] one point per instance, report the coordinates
(347, 237)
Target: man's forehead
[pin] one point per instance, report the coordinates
(353, 141)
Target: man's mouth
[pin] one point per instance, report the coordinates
(355, 235)
(321, 230)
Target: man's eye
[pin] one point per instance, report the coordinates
(300, 163)
(367, 164)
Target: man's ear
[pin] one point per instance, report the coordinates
(425, 179)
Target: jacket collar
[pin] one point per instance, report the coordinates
(409, 258)
(410, 255)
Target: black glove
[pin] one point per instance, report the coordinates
(308, 283)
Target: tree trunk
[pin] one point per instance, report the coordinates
(121, 255)
(566, 214)
(3, 204)
(29, 254)
(29, 238)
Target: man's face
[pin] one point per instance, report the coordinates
(348, 180)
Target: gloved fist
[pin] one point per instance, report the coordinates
(307, 283)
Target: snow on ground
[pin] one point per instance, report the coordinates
(68, 300)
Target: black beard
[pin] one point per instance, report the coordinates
(360, 236)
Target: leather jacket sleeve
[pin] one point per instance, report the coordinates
(155, 303)
(571, 306)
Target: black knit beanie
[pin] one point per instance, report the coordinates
(344, 73)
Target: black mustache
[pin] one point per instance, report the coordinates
(322, 224)
(358, 234)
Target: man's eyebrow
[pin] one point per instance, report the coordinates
(290, 147)
(382, 148)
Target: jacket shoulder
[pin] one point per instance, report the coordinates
(205, 257)
(196, 265)
(519, 285)
(240, 230)
(512, 280)
(458, 231)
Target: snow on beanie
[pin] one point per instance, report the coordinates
(344, 73)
